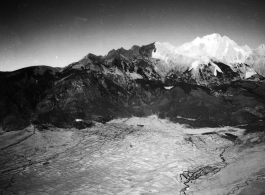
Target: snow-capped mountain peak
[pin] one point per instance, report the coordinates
(262, 46)
(213, 46)
(216, 47)
(206, 50)
(261, 50)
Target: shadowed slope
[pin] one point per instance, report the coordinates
(129, 83)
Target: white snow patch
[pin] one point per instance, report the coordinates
(201, 60)
(249, 73)
(79, 120)
(216, 68)
(190, 119)
(168, 87)
(194, 65)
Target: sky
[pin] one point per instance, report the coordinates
(59, 32)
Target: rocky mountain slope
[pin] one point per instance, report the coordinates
(209, 82)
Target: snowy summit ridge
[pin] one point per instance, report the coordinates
(206, 50)
(211, 46)
(216, 47)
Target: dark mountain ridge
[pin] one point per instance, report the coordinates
(128, 83)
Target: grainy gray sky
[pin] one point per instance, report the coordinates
(59, 32)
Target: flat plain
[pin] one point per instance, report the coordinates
(132, 156)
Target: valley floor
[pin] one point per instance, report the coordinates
(132, 156)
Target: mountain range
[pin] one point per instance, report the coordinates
(209, 82)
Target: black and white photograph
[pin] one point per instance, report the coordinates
(132, 97)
